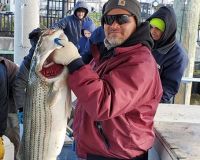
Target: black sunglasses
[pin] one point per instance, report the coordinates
(119, 18)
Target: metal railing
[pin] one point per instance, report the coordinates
(52, 11)
(6, 24)
(52, 15)
(145, 10)
(47, 22)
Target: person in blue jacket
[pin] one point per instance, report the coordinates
(72, 24)
(97, 37)
(170, 56)
(84, 44)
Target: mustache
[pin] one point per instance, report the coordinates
(114, 30)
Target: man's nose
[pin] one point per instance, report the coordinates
(115, 24)
(153, 29)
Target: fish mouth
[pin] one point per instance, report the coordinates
(50, 69)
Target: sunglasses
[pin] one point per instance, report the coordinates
(119, 18)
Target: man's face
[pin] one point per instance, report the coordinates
(80, 13)
(156, 33)
(122, 27)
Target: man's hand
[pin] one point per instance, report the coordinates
(66, 54)
(2, 150)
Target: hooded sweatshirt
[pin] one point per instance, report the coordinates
(72, 25)
(170, 56)
(84, 44)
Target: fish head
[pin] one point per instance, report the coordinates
(45, 67)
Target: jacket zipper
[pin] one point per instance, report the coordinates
(100, 129)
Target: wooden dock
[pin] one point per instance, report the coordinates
(177, 130)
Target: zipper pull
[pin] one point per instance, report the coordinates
(105, 139)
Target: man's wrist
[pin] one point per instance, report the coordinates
(75, 65)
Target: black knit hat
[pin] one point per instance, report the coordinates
(133, 6)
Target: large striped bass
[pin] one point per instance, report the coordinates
(48, 103)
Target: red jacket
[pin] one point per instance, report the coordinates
(121, 97)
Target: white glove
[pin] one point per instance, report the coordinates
(66, 54)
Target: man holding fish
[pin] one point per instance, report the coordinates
(118, 92)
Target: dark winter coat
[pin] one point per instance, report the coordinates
(84, 44)
(72, 25)
(169, 55)
(98, 35)
(97, 38)
(8, 72)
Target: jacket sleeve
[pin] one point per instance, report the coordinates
(3, 99)
(13, 69)
(122, 90)
(61, 24)
(19, 86)
(171, 77)
(84, 50)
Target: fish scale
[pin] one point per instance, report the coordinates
(47, 107)
(41, 116)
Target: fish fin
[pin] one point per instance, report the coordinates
(68, 103)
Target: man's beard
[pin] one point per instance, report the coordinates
(113, 42)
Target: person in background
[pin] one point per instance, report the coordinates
(97, 37)
(3, 106)
(84, 44)
(9, 125)
(119, 92)
(72, 24)
(170, 56)
(21, 79)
